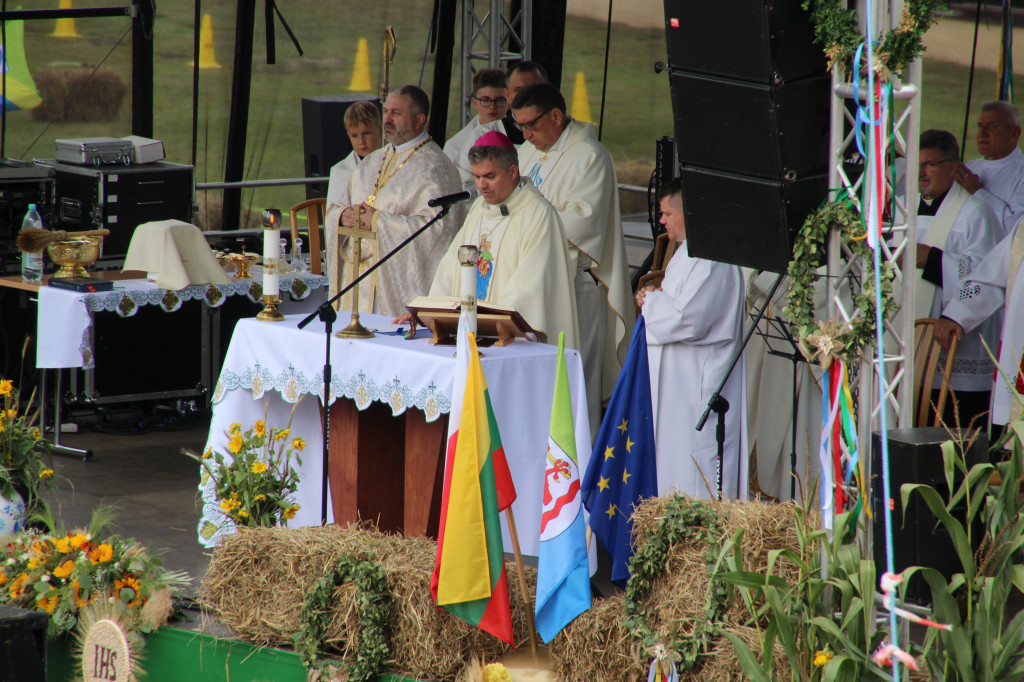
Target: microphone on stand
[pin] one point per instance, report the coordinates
(450, 199)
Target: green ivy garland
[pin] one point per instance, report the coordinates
(690, 521)
(823, 341)
(372, 597)
(836, 30)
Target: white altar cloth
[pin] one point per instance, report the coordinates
(65, 317)
(269, 366)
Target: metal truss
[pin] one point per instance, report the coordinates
(846, 272)
(484, 35)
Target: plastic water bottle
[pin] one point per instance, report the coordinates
(32, 263)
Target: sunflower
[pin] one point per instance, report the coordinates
(15, 589)
(101, 553)
(130, 583)
(298, 444)
(79, 540)
(822, 658)
(235, 444)
(289, 513)
(46, 474)
(208, 454)
(258, 498)
(48, 604)
(64, 570)
(281, 435)
(259, 467)
(6, 386)
(260, 427)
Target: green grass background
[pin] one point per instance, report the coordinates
(638, 108)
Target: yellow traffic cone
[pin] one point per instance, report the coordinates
(65, 27)
(361, 71)
(580, 103)
(207, 58)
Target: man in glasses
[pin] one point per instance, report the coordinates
(998, 177)
(490, 101)
(955, 231)
(575, 172)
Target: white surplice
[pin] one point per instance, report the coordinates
(457, 147)
(974, 232)
(407, 177)
(530, 266)
(341, 174)
(1002, 186)
(694, 327)
(997, 284)
(577, 175)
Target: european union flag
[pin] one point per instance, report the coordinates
(622, 469)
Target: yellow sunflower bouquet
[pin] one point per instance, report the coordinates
(254, 484)
(24, 454)
(62, 572)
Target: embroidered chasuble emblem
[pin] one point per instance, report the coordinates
(488, 241)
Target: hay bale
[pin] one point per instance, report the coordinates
(597, 646)
(257, 579)
(78, 94)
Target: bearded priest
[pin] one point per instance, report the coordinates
(524, 257)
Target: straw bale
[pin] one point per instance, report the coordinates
(257, 579)
(78, 94)
(597, 645)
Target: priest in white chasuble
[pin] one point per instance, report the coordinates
(576, 173)
(524, 258)
(389, 191)
(694, 328)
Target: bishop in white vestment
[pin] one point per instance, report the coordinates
(576, 174)
(694, 328)
(390, 190)
(524, 259)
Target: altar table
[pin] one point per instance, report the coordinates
(273, 370)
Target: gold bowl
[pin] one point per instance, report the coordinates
(244, 261)
(74, 255)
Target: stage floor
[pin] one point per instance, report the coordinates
(137, 465)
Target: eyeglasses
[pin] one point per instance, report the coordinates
(532, 125)
(934, 164)
(487, 101)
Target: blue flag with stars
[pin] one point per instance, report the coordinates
(622, 469)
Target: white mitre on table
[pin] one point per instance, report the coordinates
(175, 253)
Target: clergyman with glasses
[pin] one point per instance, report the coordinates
(575, 172)
(955, 231)
(490, 101)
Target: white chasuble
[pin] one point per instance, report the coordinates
(997, 284)
(530, 269)
(694, 327)
(401, 180)
(577, 175)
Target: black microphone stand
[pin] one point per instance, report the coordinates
(326, 313)
(719, 404)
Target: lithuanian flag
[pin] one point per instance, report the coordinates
(469, 578)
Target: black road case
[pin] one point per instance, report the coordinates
(120, 198)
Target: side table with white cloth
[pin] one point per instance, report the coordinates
(269, 367)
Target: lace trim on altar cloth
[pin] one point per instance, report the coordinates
(292, 384)
(127, 303)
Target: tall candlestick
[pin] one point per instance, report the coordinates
(271, 265)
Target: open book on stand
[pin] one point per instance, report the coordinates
(441, 315)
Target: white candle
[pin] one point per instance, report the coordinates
(271, 261)
(468, 256)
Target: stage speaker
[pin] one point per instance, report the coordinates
(777, 132)
(744, 220)
(919, 539)
(22, 645)
(760, 113)
(324, 139)
(766, 41)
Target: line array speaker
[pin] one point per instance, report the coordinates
(324, 140)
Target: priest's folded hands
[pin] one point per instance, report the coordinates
(642, 293)
(348, 216)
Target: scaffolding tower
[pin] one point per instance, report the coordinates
(496, 33)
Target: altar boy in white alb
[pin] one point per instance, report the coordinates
(490, 101)
(694, 327)
(524, 258)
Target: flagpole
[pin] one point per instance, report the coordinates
(521, 570)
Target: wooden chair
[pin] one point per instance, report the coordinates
(316, 210)
(927, 354)
(664, 249)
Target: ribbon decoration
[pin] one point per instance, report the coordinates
(839, 442)
(889, 652)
